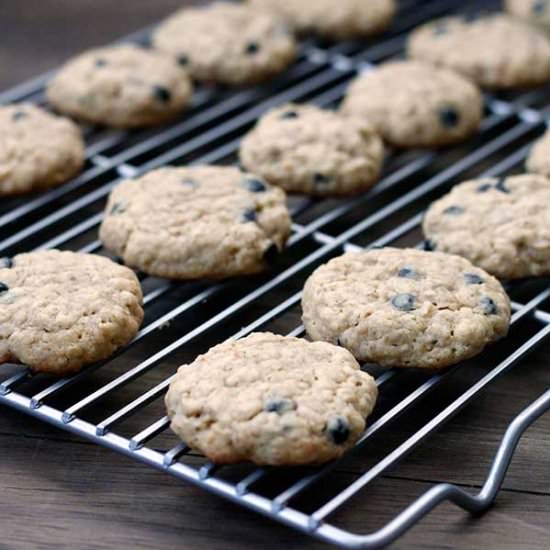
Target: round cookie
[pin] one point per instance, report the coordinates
(227, 43)
(538, 161)
(533, 11)
(345, 19)
(38, 150)
(499, 224)
(190, 223)
(123, 86)
(304, 149)
(414, 104)
(60, 311)
(272, 400)
(495, 51)
(405, 307)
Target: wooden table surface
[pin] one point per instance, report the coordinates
(58, 491)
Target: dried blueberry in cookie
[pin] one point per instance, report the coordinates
(454, 210)
(255, 185)
(404, 302)
(428, 322)
(473, 279)
(279, 405)
(338, 429)
(408, 273)
(191, 223)
(271, 400)
(416, 104)
(151, 88)
(306, 149)
(504, 226)
(162, 94)
(449, 117)
(228, 43)
(249, 216)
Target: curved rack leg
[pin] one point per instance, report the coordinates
(475, 504)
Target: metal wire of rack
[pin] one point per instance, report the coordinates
(118, 403)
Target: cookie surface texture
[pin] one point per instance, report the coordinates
(405, 307)
(304, 149)
(532, 11)
(227, 43)
(272, 400)
(496, 51)
(413, 104)
(500, 224)
(60, 311)
(190, 223)
(344, 19)
(121, 86)
(38, 150)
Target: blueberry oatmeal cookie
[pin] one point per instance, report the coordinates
(121, 86)
(538, 161)
(499, 224)
(227, 43)
(533, 11)
(495, 51)
(189, 223)
(413, 104)
(60, 311)
(341, 20)
(272, 400)
(405, 307)
(304, 149)
(38, 150)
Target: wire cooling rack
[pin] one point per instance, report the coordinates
(118, 403)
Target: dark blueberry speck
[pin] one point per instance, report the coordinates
(254, 185)
(454, 210)
(407, 273)
(449, 117)
(249, 216)
(279, 406)
(439, 29)
(338, 342)
(470, 17)
(501, 186)
(428, 245)
(473, 279)
(539, 7)
(183, 60)
(252, 48)
(162, 94)
(320, 179)
(289, 114)
(4, 287)
(484, 187)
(6, 262)
(117, 208)
(18, 115)
(271, 253)
(338, 429)
(100, 62)
(489, 306)
(190, 183)
(404, 302)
